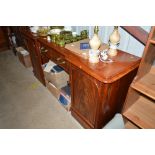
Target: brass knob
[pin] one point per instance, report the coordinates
(58, 59)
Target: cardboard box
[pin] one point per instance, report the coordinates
(65, 97)
(55, 91)
(58, 79)
(24, 57)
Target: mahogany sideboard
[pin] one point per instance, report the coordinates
(98, 91)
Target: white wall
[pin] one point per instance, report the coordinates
(127, 42)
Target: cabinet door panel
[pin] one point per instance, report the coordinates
(85, 95)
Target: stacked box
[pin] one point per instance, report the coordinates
(65, 97)
(24, 57)
(55, 91)
(58, 77)
(55, 78)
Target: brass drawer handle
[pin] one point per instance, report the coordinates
(57, 59)
(63, 62)
(43, 50)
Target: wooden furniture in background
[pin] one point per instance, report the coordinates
(4, 40)
(17, 33)
(137, 32)
(139, 108)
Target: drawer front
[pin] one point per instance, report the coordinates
(58, 59)
(43, 52)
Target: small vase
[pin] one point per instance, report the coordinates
(95, 42)
(114, 40)
(115, 36)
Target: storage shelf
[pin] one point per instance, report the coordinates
(140, 103)
(146, 85)
(129, 125)
(142, 113)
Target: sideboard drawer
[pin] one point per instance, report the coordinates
(59, 59)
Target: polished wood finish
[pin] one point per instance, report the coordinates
(122, 65)
(85, 96)
(94, 103)
(140, 103)
(74, 47)
(137, 32)
(98, 90)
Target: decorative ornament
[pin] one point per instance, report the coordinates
(103, 56)
(114, 40)
(95, 43)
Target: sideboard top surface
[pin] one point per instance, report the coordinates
(122, 64)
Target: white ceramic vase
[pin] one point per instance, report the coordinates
(114, 40)
(95, 42)
(115, 36)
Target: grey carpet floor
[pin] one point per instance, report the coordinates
(25, 102)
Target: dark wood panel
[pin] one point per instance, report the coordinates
(95, 103)
(137, 32)
(17, 33)
(112, 99)
(85, 96)
(33, 48)
(4, 41)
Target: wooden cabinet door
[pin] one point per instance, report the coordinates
(85, 97)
